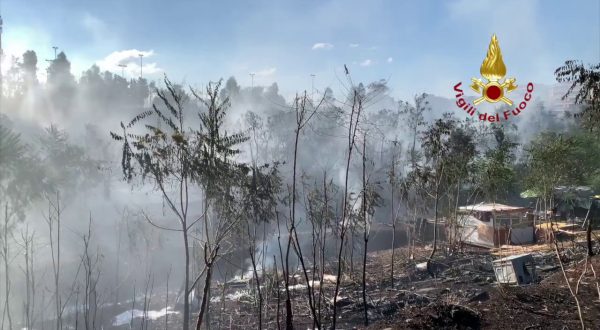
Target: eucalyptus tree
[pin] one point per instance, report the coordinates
(370, 199)
(165, 156)
(393, 176)
(304, 110)
(258, 203)
(219, 174)
(494, 171)
(20, 176)
(550, 161)
(415, 121)
(432, 173)
(460, 169)
(356, 108)
(585, 84)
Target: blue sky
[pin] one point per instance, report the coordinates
(420, 46)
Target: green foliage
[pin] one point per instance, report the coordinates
(170, 152)
(585, 83)
(215, 146)
(432, 173)
(29, 67)
(59, 71)
(550, 161)
(414, 120)
(161, 154)
(586, 157)
(320, 211)
(494, 171)
(27, 173)
(436, 139)
(66, 166)
(461, 153)
(570, 160)
(259, 191)
(436, 147)
(373, 197)
(19, 173)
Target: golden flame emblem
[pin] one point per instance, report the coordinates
(493, 70)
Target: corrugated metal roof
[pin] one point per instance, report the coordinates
(509, 258)
(491, 207)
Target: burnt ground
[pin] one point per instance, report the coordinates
(462, 295)
(466, 296)
(548, 305)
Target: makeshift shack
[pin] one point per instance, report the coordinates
(491, 225)
(566, 213)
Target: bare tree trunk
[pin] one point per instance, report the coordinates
(76, 308)
(588, 231)
(278, 292)
(32, 282)
(5, 257)
(132, 307)
(435, 222)
(204, 307)
(365, 233)
(117, 275)
(416, 230)
(42, 314)
(186, 299)
(454, 234)
(222, 302)
(569, 285)
(91, 295)
(289, 318)
(322, 238)
(309, 287)
(58, 300)
(286, 278)
(393, 215)
(54, 218)
(147, 299)
(167, 300)
(354, 120)
(301, 120)
(252, 252)
(351, 242)
(28, 241)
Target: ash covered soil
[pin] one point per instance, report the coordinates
(462, 295)
(473, 300)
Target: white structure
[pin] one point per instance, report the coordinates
(492, 225)
(518, 269)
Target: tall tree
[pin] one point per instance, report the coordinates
(358, 98)
(585, 84)
(461, 155)
(166, 157)
(370, 200)
(19, 178)
(432, 173)
(415, 119)
(552, 160)
(259, 199)
(67, 166)
(61, 83)
(494, 172)
(29, 67)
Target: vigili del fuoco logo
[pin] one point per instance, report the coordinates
(494, 89)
